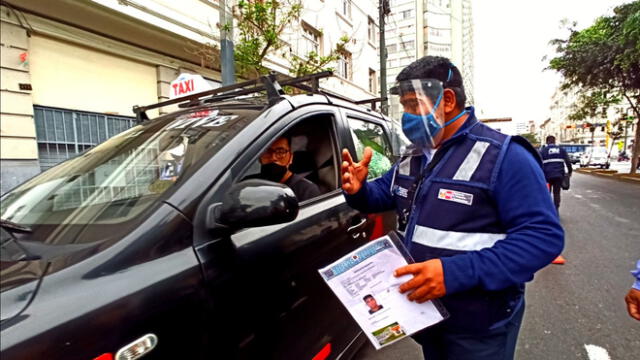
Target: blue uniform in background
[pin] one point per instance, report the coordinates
(483, 208)
(554, 160)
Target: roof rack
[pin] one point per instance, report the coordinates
(272, 84)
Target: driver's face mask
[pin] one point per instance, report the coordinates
(422, 117)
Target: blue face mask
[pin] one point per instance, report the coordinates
(422, 130)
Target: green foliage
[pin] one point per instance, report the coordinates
(313, 63)
(532, 138)
(603, 61)
(260, 26)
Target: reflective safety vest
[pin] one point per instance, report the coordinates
(446, 208)
(553, 161)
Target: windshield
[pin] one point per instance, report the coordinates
(121, 177)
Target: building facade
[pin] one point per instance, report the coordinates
(416, 28)
(73, 69)
(606, 130)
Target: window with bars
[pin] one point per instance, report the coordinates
(344, 65)
(62, 134)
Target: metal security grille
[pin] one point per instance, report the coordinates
(63, 134)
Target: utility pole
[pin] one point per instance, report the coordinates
(384, 11)
(227, 63)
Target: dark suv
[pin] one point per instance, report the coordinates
(162, 241)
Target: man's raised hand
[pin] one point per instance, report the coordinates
(354, 174)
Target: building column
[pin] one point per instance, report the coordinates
(18, 145)
(165, 76)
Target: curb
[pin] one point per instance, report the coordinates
(610, 174)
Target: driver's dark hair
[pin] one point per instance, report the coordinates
(367, 297)
(286, 136)
(551, 139)
(436, 67)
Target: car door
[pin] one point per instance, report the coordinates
(264, 283)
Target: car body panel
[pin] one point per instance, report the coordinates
(203, 292)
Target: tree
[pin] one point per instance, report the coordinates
(261, 24)
(603, 62)
(532, 138)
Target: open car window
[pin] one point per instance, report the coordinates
(313, 147)
(369, 134)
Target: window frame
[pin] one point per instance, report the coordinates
(351, 115)
(311, 35)
(345, 63)
(273, 133)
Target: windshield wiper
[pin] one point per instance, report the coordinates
(10, 225)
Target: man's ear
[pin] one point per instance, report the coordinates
(290, 158)
(450, 101)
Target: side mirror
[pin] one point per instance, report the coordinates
(253, 203)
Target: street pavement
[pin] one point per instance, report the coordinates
(577, 310)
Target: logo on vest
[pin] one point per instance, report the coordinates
(554, 151)
(455, 196)
(400, 191)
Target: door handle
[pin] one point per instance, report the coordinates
(357, 226)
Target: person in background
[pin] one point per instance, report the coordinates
(554, 160)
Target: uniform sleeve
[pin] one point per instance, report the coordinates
(534, 236)
(567, 161)
(375, 196)
(636, 273)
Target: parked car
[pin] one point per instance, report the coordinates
(160, 241)
(575, 151)
(595, 156)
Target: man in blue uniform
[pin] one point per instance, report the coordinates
(474, 209)
(554, 160)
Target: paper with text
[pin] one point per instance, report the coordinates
(364, 282)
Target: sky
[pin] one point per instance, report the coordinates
(511, 37)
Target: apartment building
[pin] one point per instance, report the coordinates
(416, 28)
(73, 69)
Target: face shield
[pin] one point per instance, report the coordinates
(422, 118)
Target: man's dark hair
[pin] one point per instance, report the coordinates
(367, 297)
(436, 67)
(287, 137)
(551, 139)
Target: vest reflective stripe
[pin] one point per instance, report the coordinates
(453, 240)
(405, 166)
(471, 162)
(552, 160)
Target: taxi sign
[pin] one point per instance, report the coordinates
(187, 84)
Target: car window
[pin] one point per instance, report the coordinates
(369, 134)
(119, 178)
(313, 150)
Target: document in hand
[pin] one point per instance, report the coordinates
(364, 282)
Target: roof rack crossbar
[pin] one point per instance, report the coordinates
(268, 83)
(228, 91)
(372, 102)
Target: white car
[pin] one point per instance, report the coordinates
(596, 156)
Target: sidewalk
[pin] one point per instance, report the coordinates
(612, 174)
